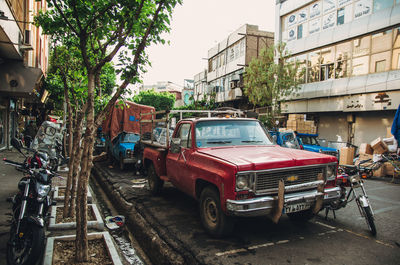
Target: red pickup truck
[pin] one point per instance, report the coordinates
(233, 168)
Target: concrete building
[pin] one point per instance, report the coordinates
(23, 62)
(200, 87)
(350, 51)
(226, 63)
(166, 86)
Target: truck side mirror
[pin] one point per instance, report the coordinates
(175, 145)
(274, 138)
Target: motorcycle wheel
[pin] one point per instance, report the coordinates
(370, 219)
(29, 248)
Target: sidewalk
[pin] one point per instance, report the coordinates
(9, 178)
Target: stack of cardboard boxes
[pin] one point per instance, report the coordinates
(298, 122)
(377, 147)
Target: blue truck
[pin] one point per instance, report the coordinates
(122, 149)
(285, 139)
(311, 143)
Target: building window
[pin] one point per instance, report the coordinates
(344, 15)
(340, 16)
(327, 63)
(313, 67)
(361, 46)
(380, 66)
(382, 4)
(381, 41)
(360, 66)
(379, 62)
(300, 31)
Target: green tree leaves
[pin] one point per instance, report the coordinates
(268, 83)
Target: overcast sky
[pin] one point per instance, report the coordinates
(196, 27)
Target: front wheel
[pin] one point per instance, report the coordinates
(370, 219)
(154, 181)
(27, 247)
(213, 218)
(121, 162)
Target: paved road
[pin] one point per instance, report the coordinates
(9, 178)
(344, 240)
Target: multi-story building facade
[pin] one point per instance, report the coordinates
(200, 87)
(349, 51)
(23, 62)
(166, 86)
(227, 61)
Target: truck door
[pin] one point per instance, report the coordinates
(178, 169)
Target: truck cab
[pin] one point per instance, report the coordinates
(122, 149)
(310, 143)
(285, 139)
(233, 168)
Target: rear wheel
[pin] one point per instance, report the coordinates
(302, 216)
(27, 247)
(154, 181)
(370, 219)
(213, 218)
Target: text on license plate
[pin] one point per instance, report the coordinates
(296, 207)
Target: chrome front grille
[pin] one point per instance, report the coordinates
(267, 181)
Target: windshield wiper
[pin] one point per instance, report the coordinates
(219, 142)
(254, 141)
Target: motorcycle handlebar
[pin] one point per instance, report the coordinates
(13, 163)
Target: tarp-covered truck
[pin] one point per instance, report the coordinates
(122, 132)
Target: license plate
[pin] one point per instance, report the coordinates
(296, 207)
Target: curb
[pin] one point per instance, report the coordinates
(155, 247)
(48, 260)
(60, 198)
(96, 224)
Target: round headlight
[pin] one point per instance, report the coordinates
(330, 173)
(242, 182)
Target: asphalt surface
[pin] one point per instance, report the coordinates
(172, 222)
(9, 178)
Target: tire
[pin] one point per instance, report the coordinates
(302, 216)
(121, 162)
(213, 218)
(370, 219)
(30, 248)
(154, 181)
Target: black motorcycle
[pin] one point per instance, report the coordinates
(30, 208)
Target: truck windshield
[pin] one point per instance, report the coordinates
(309, 140)
(230, 133)
(130, 138)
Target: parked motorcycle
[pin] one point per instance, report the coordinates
(30, 209)
(350, 176)
(49, 140)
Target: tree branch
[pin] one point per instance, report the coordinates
(65, 18)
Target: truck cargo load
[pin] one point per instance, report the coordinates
(124, 117)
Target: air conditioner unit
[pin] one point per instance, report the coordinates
(27, 39)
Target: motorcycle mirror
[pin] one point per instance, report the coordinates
(16, 144)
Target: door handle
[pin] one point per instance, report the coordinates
(183, 155)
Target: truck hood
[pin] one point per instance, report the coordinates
(266, 157)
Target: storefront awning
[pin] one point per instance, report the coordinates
(19, 81)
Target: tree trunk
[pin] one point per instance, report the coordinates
(81, 243)
(70, 191)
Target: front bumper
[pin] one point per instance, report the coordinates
(265, 205)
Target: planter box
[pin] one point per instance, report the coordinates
(98, 223)
(59, 198)
(48, 255)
